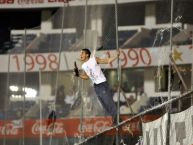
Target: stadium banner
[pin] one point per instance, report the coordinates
(62, 127)
(11, 4)
(129, 58)
(154, 133)
(69, 127)
(181, 129)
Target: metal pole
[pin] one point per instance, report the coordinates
(192, 72)
(24, 89)
(53, 106)
(60, 49)
(40, 102)
(168, 108)
(7, 98)
(82, 81)
(85, 21)
(118, 72)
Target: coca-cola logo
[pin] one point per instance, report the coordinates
(56, 129)
(133, 126)
(8, 129)
(97, 126)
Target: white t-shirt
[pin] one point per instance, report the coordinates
(93, 70)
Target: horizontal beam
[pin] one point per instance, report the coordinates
(105, 2)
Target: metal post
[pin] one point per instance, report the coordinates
(192, 73)
(118, 72)
(40, 102)
(169, 77)
(82, 81)
(24, 84)
(6, 101)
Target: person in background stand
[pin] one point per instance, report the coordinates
(92, 70)
(60, 96)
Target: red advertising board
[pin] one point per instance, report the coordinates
(70, 127)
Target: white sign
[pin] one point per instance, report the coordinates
(154, 133)
(181, 129)
(129, 58)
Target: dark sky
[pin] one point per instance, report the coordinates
(20, 19)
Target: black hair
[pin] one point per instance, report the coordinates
(87, 51)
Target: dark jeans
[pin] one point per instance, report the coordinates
(105, 97)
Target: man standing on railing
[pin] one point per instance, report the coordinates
(92, 70)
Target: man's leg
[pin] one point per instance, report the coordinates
(105, 97)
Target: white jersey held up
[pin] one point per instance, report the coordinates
(93, 70)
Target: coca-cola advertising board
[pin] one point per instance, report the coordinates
(70, 127)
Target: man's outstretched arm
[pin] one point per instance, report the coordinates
(108, 60)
